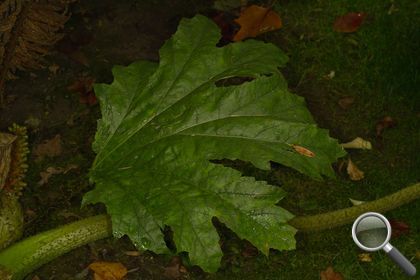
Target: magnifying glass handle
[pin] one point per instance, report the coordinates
(399, 259)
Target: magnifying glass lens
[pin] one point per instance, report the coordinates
(371, 232)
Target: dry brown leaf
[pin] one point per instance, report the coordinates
(173, 270)
(399, 228)
(132, 253)
(346, 102)
(357, 143)
(355, 173)
(330, 274)
(53, 68)
(49, 148)
(386, 122)
(30, 213)
(340, 166)
(418, 254)
(364, 257)
(183, 269)
(255, 20)
(303, 151)
(356, 202)
(79, 57)
(84, 87)
(330, 75)
(45, 175)
(249, 251)
(349, 23)
(108, 270)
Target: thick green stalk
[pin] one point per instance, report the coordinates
(29, 254)
(348, 215)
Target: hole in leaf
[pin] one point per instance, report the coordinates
(168, 237)
(249, 170)
(232, 81)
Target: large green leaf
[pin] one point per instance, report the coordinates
(163, 123)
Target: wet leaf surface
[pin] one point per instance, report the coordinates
(172, 130)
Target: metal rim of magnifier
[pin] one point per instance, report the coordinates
(370, 214)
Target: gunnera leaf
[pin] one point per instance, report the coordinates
(163, 123)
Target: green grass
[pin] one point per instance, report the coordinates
(378, 66)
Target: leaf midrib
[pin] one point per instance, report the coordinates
(212, 79)
(196, 124)
(179, 133)
(130, 105)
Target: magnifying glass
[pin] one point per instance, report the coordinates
(372, 232)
